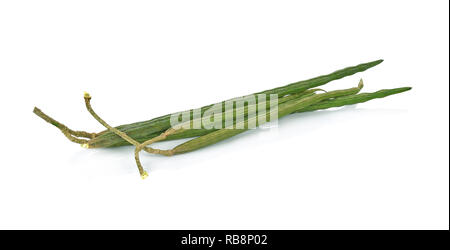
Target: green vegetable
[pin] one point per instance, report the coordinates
(283, 110)
(326, 104)
(293, 98)
(145, 130)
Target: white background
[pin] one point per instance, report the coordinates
(378, 165)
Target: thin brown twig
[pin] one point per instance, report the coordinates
(87, 100)
(69, 133)
(139, 146)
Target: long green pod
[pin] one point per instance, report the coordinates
(283, 110)
(235, 112)
(144, 130)
(353, 99)
(321, 80)
(196, 132)
(325, 104)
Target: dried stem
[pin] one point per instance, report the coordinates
(87, 100)
(72, 135)
(139, 146)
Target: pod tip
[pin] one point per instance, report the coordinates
(404, 89)
(86, 95)
(85, 145)
(378, 61)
